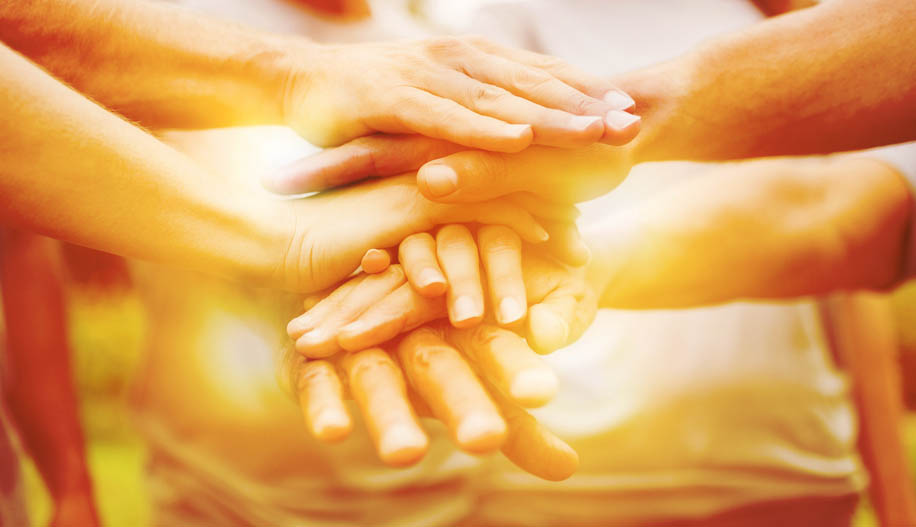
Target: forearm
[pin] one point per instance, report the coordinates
(40, 390)
(157, 64)
(839, 76)
(73, 171)
(767, 229)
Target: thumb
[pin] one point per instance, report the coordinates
(375, 156)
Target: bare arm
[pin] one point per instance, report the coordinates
(40, 391)
(74, 171)
(165, 66)
(838, 76)
(764, 229)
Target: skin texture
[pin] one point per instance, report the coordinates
(166, 209)
(136, 58)
(839, 223)
(835, 77)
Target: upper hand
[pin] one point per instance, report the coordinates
(325, 236)
(449, 173)
(465, 90)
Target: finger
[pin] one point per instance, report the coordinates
(566, 243)
(315, 314)
(620, 127)
(457, 253)
(549, 322)
(321, 398)
(322, 340)
(417, 254)
(494, 212)
(501, 252)
(543, 209)
(402, 310)
(548, 81)
(468, 177)
(380, 393)
(550, 126)
(375, 261)
(534, 84)
(584, 82)
(532, 447)
(454, 394)
(504, 359)
(376, 156)
(427, 114)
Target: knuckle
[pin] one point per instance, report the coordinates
(484, 337)
(428, 355)
(582, 105)
(312, 373)
(530, 79)
(445, 46)
(454, 233)
(370, 361)
(495, 238)
(486, 94)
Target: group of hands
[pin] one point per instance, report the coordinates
(474, 265)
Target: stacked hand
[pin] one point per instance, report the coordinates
(383, 339)
(465, 90)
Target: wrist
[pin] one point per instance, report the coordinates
(662, 95)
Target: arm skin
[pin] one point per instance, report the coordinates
(835, 77)
(73, 171)
(167, 67)
(763, 229)
(862, 332)
(154, 63)
(40, 391)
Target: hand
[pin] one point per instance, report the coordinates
(465, 90)
(432, 372)
(371, 309)
(450, 174)
(330, 232)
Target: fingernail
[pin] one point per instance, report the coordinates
(331, 425)
(620, 121)
(480, 432)
(510, 310)
(440, 180)
(429, 277)
(547, 330)
(584, 122)
(619, 100)
(298, 326)
(402, 444)
(534, 387)
(465, 309)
